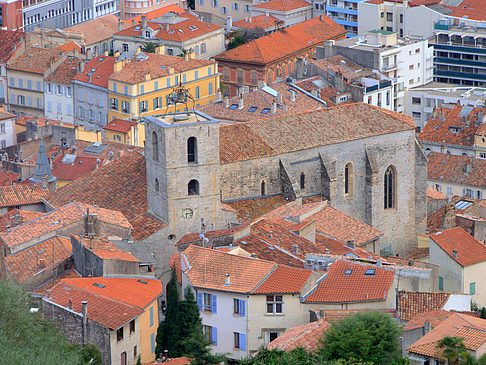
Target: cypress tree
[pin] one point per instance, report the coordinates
(167, 331)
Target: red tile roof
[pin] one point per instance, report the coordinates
(35, 60)
(251, 209)
(435, 195)
(156, 13)
(257, 22)
(463, 170)
(256, 139)
(283, 5)
(41, 257)
(10, 42)
(306, 336)
(116, 185)
(96, 30)
(105, 249)
(334, 315)
(356, 286)
(284, 280)
(173, 361)
(468, 250)
(102, 68)
(15, 195)
(8, 177)
(65, 72)
(16, 217)
(433, 317)
(412, 303)
(113, 150)
(69, 47)
(419, 253)
(292, 40)
(72, 171)
(442, 126)
(472, 9)
(120, 125)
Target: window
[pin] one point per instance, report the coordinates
(59, 90)
(192, 150)
(135, 351)
(38, 85)
(69, 92)
(197, 92)
(382, 14)
(239, 341)
(389, 188)
(302, 181)
(193, 187)
(206, 302)
(125, 106)
(147, 34)
(441, 283)
(274, 304)
(119, 334)
(203, 50)
(348, 179)
(272, 336)
(12, 82)
(157, 102)
(114, 104)
(155, 147)
(125, 47)
(143, 106)
(416, 100)
(238, 307)
(401, 18)
(262, 188)
(132, 327)
(449, 191)
(472, 288)
(210, 88)
(21, 99)
(416, 114)
(211, 334)
(389, 17)
(21, 83)
(370, 272)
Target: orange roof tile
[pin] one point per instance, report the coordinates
(120, 125)
(35, 60)
(65, 72)
(283, 5)
(464, 170)
(96, 30)
(8, 177)
(15, 195)
(173, 361)
(307, 336)
(419, 253)
(256, 139)
(347, 282)
(334, 315)
(257, 22)
(468, 250)
(285, 280)
(115, 186)
(435, 195)
(105, 249)
(112, 150)
(413, 303)
(72, 171)
(433, 317)
(16, 217)
(101, 68)
(156, 13)
(473, 9)
(297, 38)
(10, 42)
(27, 263)
(250, 209)
(208, 269)
(69, 47)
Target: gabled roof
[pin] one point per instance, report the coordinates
(284, 280)
(156, 13)
(460, 246)
(65, 72)
(261, 138)
(412, 303)
(433, 194)
(35, 60)
(433, 317)
(69, 47)
(257, 22)
(283, 5)
(120, 125)
(119, 185)
(306, 336)
(293, 39)
(98, 29)
(14, 195)
(10, 42)
(74, 168)
(17, 217)
(97, 71)
(105, 249)
(250, 209)
(349, 282)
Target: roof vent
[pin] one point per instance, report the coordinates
(98, 285)
(142, 281)
(227, 281)
(351, 244)
(454, 253)
(295, 249)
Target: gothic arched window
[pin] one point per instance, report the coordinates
(389, 188)
(348, 179)
(157, 187)
(193, 187)
(155, 147)
(262, 188)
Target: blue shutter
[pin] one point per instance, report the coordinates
(242, 341)
(152, 343)
(151, 316)
(200, 301)
(242, 308)
(214, 335)
(38, 84)
(213, 303)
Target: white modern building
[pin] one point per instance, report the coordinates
(7, 129)
(407, 62)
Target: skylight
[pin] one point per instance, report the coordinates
(252, 109)
(370, 272)
(265, 110)
(233, 106)
(348, 272)
(99, 285)
(137, 28)
(180, 30)
(280, 106)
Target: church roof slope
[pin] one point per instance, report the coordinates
(295, 132)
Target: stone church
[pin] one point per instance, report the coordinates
(363, 159)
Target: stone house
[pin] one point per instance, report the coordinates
(10, 43)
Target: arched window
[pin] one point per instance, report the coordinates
(348, 179)
(262, 188)
(302, 181)
(389, 187)
(157, 187)
(193, 187)
(155, 147)
(192, 149)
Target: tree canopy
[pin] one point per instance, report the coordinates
(26, 338)
(454, 350)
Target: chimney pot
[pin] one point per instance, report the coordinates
(227, 280)
(241, 104)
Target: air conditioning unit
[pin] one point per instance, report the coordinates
(320, 262)
(310, 262)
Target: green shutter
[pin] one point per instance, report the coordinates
(441, 283)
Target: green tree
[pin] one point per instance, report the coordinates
(166, 332)
(148, 47)
(26, 338)
(191, 4)
(368, 336)
(91, 355)
(483, 313)
(454, 350)
(236, 41)
(481, 360)
(298, 356)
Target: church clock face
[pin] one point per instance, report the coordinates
(187, 213)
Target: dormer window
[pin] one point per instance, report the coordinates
(148, 34)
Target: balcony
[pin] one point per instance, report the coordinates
(336, 9)
(441, 26)
(460, 75)
(459, 61)
(388, 68)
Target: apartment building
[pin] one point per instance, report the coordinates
(132, 8)
(343, 12)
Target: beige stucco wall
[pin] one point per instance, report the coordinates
(475, 274)
(127, 344)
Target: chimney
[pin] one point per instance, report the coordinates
(274, 107)
(314, 92)
(167, 27)
(229, 23)
(292, 95)
(84, 326)
(351, 244)
(339, 82)
(70, 304)
(427, 327)
(144, 22)
(454, 253)
(133, 22)
(378, 263)
(17, 220)
(41, 264)
(467, 168)
(267, 13)
(186, 56)
(218, 96)
(227, 281)
(295, 249)
(226, 102)
(279, 98)
(241, 104)
(121, 25)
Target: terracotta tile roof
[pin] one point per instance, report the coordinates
(105, 249)
(72, 171)
(196, 237)
(35, 60)
(103, 68)
(134, 71)
(473, 9)
(419, 253)
(182, 31)
(120, 125)
(42, 290)
(69, 47)
(208, 269)
(335, 247)
(256, 139)
(14, 195)
(464, 170)
(16, 217)
(55, 219)
(118, 149)
(8, 177)
(257, 22)
(297, 38)
(96, 30)
(435, 219)
(343, 65)
(411, 3)
(250, 209)
(285, 280)
(455, 126)
(468, 250)
(10, 41)
(433, 317)
(338, 315)
(116, 185)
(347, 282)
(413, 303)
(433, 194)
(65, 72)
(40, 122)
(156, 13)
(306, 336)
(262, 100)
(173, 361)
(283, 5)
(27, 263)
(471, 329)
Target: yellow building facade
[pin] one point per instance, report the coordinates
(133, 97)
